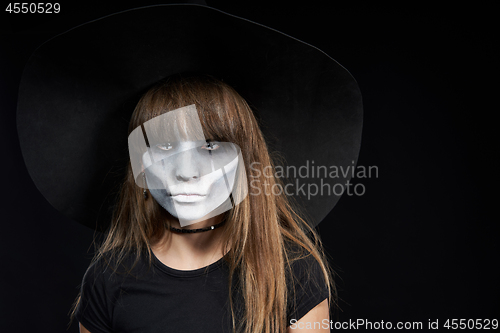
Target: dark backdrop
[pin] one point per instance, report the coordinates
(419, 245)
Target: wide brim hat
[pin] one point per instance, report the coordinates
(79, 89)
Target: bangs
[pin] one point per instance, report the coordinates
(168, 112)
(182, 124)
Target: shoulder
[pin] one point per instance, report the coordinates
(97, 277)
(305, 269)
(100, 289)
(307, 283)
(303, 262)
(110, 267)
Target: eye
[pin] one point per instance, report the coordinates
(162, 146)
(210, 146)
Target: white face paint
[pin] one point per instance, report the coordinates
(190, 177)
(185, 179)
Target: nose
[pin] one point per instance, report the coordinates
(186, 166)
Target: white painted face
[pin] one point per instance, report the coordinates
(190, 177)
(185, 180)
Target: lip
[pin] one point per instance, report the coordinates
(187, 197)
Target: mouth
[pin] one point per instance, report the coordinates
(187, 197)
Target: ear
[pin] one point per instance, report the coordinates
(142, 177)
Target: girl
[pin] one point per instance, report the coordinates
(173, 260)
(203, 237)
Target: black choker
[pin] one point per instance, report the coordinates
(192, 231)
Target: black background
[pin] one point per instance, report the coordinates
(420, 244)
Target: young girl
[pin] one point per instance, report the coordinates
(192, 246)
(204, 236)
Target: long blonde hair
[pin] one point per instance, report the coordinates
(259, 253)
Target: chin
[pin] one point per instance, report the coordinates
(189, 217)
(188, 214)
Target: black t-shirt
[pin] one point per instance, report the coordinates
(159, 299)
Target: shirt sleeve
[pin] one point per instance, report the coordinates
(93, 310)
(307, 289)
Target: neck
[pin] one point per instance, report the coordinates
(189, 251)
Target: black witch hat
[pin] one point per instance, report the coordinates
(79, 89)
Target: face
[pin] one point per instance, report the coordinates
(192, 180)
(189, 176)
